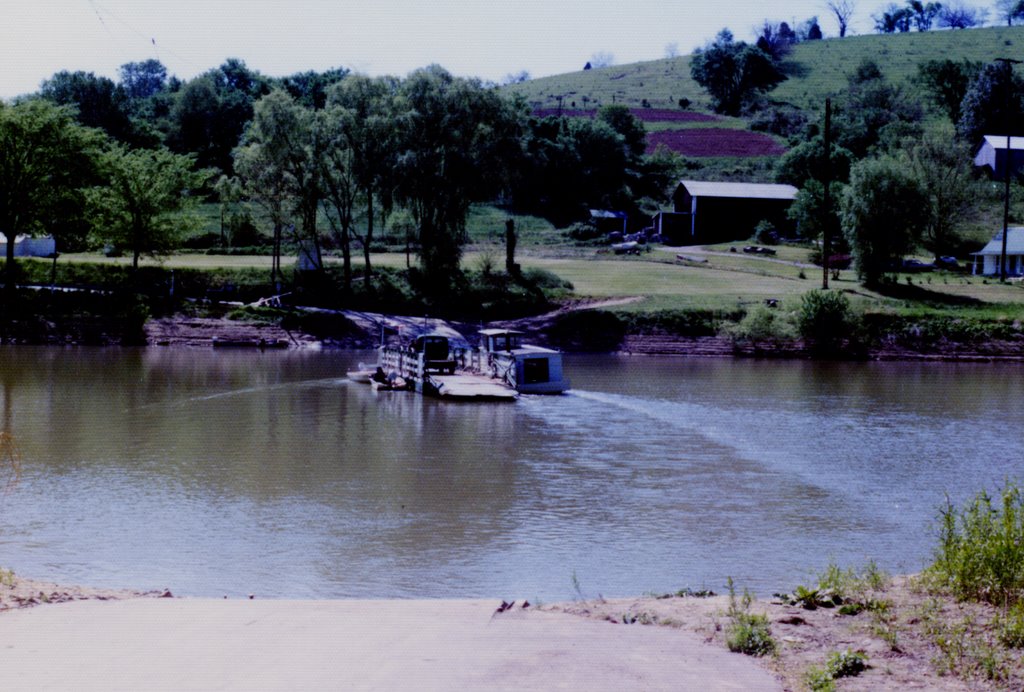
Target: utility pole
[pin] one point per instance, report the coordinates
(1008, 63)
(826, 246)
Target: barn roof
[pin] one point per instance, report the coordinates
(999, 142)
(1014, 243)
(699, 188)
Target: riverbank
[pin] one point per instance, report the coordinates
(908, 636)
(187, 331)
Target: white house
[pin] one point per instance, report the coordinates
(992, 154)
(986, 261)
(27, 246)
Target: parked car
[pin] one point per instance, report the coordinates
(758, 250)
(915, 265)
(947, 262)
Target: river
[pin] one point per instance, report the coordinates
(226, 473)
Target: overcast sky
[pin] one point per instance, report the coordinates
(488, 39)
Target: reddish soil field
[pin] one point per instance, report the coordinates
(715, 142)
(647, 115)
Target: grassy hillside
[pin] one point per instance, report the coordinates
(817, 69)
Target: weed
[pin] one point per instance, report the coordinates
(981, 548)
(576, 587)
(1011, 627)
(7, 577)
(846, 664)
(819, 680)
(749, 632)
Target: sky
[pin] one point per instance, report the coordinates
(473, 38)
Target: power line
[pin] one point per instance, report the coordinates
(151, 40)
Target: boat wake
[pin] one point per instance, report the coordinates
(324, 382)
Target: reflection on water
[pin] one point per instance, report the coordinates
(224, 473)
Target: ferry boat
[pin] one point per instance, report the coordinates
(500, 369)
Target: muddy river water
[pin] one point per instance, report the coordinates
(225, 473)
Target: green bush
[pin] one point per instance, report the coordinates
(762, 325)
(846, 664)
(825, 319)
(980, 555)
(819, 680)
(1011, 627)
(749, 633)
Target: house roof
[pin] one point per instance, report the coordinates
(699, 188)
(999, 142)
(1014, 243)
(608, 214)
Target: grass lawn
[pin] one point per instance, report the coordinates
(725, 282)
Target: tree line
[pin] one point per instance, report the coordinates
(329, 158)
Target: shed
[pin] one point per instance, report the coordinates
(27, 246)
(991, 154)
(986, 260)
(608, 221)
(713, 212)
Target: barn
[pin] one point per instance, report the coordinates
(712, 212)
(991, 154)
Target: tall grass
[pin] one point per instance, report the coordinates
(980, 555)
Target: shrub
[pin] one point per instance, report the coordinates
(762, 325)
(1011, 628)
(547, 280)
(825, 319)
(819, 680)
(765, 233)
(846, 664)
(981, 548)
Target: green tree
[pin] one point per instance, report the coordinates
(142, 80)
(279, 164)
(882, 215)
(210, 113)
(45, 160)
(97, 100)
(309, 89)
(363, 114)
(942, 168)
(984, 109)
(806, 161)
(626, 125)
(340, 187)
(144, 206)
(733, 72)
(812, 218)
(874, 112)
(453, 134)
(947, 83)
